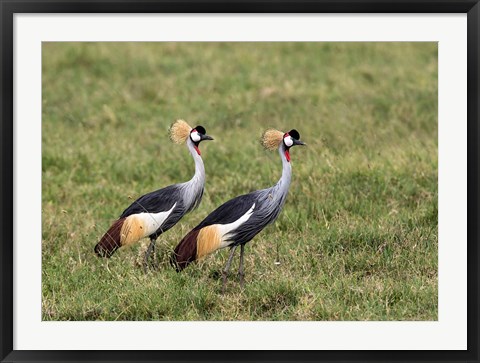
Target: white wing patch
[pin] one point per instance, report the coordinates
(152, 221)
(225, 229)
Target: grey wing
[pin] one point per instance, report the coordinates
(229, 211)
(267, 208)
(158, 201)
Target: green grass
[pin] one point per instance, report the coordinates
(358, 236)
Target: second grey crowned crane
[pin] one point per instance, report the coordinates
(237, 221)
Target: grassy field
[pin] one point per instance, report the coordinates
(357, 239)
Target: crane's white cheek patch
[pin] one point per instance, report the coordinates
(288, 141)
(195, 136)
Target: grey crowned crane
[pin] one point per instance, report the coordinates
(237, 221)
(154, 213)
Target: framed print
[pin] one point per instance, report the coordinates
(246, 181)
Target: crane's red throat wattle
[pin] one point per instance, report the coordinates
(287, 155)
(197, 149)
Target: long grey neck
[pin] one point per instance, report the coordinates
(199, 176)
(283, 183)
(192, 191)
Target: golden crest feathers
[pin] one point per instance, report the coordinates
(271, 139)
(179, 131)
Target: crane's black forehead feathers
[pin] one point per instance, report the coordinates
(294, 133)
(200, 129)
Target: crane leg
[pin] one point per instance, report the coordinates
(155, 261)
(150, 250)
(227, 267)
(241, 273)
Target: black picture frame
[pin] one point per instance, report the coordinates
(9, 8)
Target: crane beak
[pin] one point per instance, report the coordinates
(206, 137)
(298, 142)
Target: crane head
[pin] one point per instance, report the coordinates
(273, 139)
(290, 139)
(197, 135)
